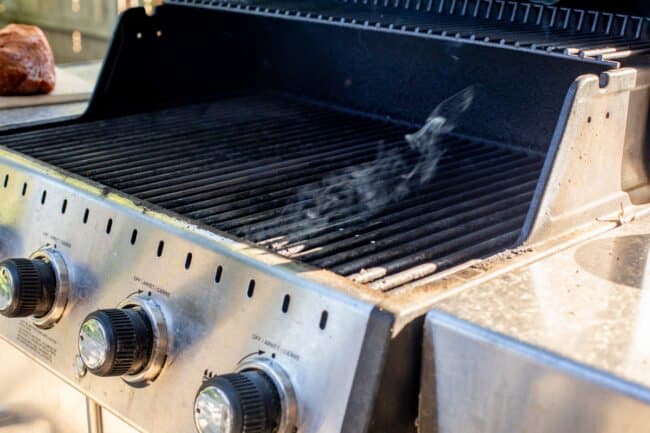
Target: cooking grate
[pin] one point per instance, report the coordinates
(241, 164)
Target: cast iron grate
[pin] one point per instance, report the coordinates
(241, 164)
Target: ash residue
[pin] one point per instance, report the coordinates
(361, 191)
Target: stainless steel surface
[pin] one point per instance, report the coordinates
(113, 424)
(56, 260)
(215, 325)
(228, 306)
(33, 400)
(34, 115)
(596, 147)
(490, 383)
(162, 339)
(94, 415)
(558, 345)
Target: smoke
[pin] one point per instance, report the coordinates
(361, 191)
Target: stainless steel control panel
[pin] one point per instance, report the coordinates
(223, 308)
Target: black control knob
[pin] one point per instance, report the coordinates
(114, 342)
(246, 402)
(27, 287)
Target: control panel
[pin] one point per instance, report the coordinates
(170, 327)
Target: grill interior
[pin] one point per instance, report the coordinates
(242, 165)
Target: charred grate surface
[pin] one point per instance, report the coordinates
(242, 165)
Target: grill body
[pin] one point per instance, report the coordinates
(217, 128)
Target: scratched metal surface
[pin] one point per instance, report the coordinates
(214, 322)
(589, 303)
(560, 345)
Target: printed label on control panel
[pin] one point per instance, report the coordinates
(151, 286)
(36, 341)
(58, 241)
(276, 347)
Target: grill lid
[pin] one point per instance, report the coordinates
(605, 33)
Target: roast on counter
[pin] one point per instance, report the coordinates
(26, 61)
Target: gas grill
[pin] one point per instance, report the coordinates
(235, 236)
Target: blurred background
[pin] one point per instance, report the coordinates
(78, 30)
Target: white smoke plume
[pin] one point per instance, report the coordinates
(361, 191)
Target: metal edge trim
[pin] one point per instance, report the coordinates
(531, 231)
(437, 318)
(368, 373)
(38, 124)
(549, 162)
(109, 63)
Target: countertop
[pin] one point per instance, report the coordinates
(28, 115)
(589, 303)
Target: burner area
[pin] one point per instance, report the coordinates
(264, 167)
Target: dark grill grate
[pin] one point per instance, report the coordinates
(237, 164)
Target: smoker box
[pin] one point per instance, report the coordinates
(211, 120)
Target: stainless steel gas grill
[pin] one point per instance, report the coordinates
(244, 231)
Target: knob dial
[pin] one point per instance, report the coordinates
(246, 402)
(114, 342)
(27, 287)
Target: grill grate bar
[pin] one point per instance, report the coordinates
(449, 203)
(478, 249)
(241, 165)
(122, 144)
(241, 108)
(380, 249)
(273, 223)
(155, 184)
(282, 171)
(198, 186)
(214, 210)
(113, 149)
(374, 267)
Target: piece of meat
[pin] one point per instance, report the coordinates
(26, 61)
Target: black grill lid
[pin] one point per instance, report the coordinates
(616, 19)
